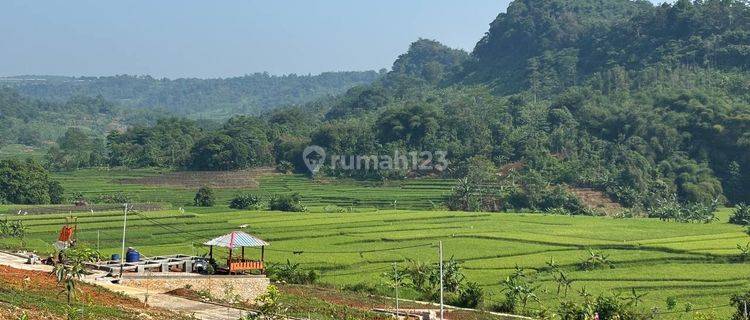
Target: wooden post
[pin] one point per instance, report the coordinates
(262, 259)
(243, 253)
(229, 262)
(211, 252)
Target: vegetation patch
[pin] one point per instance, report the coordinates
(243, 179)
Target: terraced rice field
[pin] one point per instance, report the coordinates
(695, 263)
(143, 186)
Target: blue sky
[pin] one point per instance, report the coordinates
(188, 38)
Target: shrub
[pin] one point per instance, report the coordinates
(118, 197)
(672, 209)
(671, 303)
(470, 295)
(595, 260)
(269, 305)
(361, 287)
(288, 203)
(55, 190)
(744, 251)
(738, 301)
(245, 201)
(741, 215)
(204, 197)
(519, 289)
(291, 273)
(285, 167)
(452, 275)
(12, 229)
(418, 274)
(606, 306)
(333, 209)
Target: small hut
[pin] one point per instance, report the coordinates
(239, 239)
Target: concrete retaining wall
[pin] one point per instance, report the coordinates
(248, 287)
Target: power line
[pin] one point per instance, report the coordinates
(172, 228)
(298, 252)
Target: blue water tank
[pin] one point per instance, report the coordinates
(116, 257)
(132, 256)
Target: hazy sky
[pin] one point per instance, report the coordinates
(200, 38)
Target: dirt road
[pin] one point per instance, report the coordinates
(200, 310)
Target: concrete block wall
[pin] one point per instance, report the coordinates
(248, 287)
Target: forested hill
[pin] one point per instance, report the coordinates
(649, 105)
(35, 122)
(548, 45)
(196, 98)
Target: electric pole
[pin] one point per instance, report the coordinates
(124, 225)
(442, 308)
(398, 283)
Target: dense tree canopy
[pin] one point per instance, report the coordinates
(199, 98)
(27, 182)
(647, 104)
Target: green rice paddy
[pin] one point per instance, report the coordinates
(695, 263)
(409, 194)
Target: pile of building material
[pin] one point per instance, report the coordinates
(170, 263)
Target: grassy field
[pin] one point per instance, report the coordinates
(317, 194)
(694, 263)
(17, 151)
(691, 262)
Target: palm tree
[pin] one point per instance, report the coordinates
(563, 282)
(635, 298)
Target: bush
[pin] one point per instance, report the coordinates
(288, 203)
(56, 191)
(469, 296)
(333, 209)
(245, 201)
(118, 197)
(606, 306)
(672, 209)
(738, 301)
(595, 260)
(741, 215)
(204, 197)
(291, 273)
(285, 167)
(361, 287)
(12, 229)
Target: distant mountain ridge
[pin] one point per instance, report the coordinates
(196, 98)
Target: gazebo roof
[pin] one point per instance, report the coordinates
(236, 239)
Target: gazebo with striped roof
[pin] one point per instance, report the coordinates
(239, 239)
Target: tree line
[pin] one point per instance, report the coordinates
(578, 107)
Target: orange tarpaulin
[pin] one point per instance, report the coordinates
(65, 234)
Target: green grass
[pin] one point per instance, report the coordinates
(692, 262)
(696, 263)
(408, 194)
(17, 151)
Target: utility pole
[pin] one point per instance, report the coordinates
(124, 225)
(442, 308)
(398, 283)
